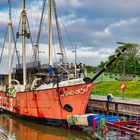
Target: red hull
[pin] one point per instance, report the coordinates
(46, 103)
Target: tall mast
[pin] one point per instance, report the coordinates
(24, 41)
(9, 44)
(50, 32)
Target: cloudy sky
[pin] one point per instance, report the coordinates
(94, 26)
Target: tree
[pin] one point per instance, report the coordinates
(130, 59)
(90, 68)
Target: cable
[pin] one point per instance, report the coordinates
(36, 46)
(3, 45)
(67, 33)
(15, 48)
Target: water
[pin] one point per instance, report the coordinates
(17, 129)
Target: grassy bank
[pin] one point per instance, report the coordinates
(113, 87)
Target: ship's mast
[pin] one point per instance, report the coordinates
(50, 32)
(24, 41)
(9, 44)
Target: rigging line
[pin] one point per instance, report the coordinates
(41, 20)
(54, 43)
(31, 17)
(3, 45)
(36, 54)
(36, 25)
(43, 39)
(28, 25)
(43, 25)
(67, 33)
(29, 31)
(15, 42)
(19, 23)
(64, 59)
(15, 50)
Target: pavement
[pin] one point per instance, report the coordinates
(117, 99)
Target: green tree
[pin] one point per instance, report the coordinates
(90, 68)
(130, 59)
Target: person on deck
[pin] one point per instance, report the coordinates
(50, 69)
(109, 97)
(78, 70)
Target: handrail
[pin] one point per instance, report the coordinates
(14, 80)
(33, 84)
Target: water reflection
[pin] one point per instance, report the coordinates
(22, 130)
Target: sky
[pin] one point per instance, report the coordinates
(94, 26)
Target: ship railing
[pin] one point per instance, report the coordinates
(68, 73)
(35, 82)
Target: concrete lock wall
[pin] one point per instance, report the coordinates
(115, 107)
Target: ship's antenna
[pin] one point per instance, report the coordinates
(9, 44)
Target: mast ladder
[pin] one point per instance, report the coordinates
(64, 59)
(36, 46)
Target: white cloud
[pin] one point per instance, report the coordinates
(4, 18)
(90, 56)
(71, 20)
(119, 7)
(95, 24)
(72, 3)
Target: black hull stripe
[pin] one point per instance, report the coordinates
(45, 121)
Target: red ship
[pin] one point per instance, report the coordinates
(48, 106)
(48, 103)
